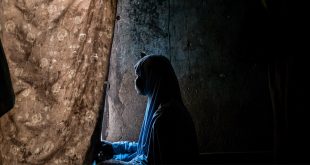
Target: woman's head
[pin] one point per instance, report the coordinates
(155, 74)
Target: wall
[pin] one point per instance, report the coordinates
(226, 92)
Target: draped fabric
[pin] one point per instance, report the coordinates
(58, 53)
(167, 133)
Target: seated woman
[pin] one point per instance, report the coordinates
(168, 133)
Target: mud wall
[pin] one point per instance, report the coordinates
(58, 54)
(225, 92)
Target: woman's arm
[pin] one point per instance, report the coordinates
(122, 147)
(121, 150)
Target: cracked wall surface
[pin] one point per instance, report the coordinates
(226, 95)
(57, 52)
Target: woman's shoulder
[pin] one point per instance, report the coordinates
(171, 105)
(163, 113)
(165, 109)
(169, 112)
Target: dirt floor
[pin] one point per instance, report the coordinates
(58, 54)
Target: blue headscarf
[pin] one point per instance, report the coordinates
(160, 85)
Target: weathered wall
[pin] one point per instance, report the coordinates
(226, 95)
(58, 54)
(135, 31)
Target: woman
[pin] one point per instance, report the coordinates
(168, 133)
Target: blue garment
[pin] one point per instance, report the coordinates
(136, 153)
(125, 150)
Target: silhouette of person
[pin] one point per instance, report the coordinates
(7, 97)
(167, 133)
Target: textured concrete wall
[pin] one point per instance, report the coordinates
(226, 95)
(58, 55)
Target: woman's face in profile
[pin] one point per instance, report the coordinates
(139, 85)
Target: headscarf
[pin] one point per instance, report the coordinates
(160, 85)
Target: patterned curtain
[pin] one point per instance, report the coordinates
(58, 53)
